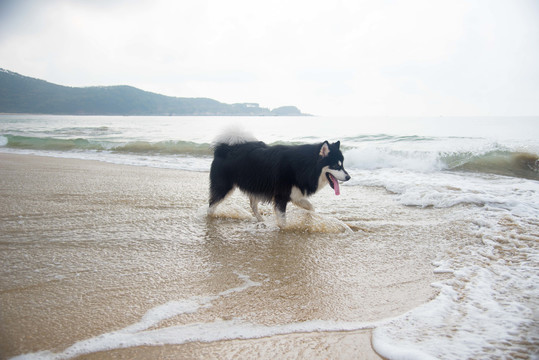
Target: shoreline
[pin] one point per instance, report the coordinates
(98, 244)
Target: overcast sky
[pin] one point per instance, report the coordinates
(375, 57)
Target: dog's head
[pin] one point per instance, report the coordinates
(331, 160)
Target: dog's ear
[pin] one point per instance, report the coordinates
(337, 144)
(324, 150)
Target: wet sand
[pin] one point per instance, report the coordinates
(88, 248)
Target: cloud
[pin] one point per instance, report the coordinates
(418, 57)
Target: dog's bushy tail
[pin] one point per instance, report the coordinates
(231, 136)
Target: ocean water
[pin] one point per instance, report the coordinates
(484, 173)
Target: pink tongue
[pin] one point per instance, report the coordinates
(335, 185)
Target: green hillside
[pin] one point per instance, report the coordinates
(22, 94)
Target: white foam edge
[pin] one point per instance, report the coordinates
(384, 347)
(218, 330)
(389, 347)
(418, 333)
(297, 219)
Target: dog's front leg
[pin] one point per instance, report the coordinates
(304, 203)
(298, 199)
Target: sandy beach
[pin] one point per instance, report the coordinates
(90, 248)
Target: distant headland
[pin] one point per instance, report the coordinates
(22, 94)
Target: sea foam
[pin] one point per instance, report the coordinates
(139, 334)
(489, 159)
(488, 308)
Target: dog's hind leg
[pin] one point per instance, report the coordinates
(280, 211)
(254, 205)
(217, 195)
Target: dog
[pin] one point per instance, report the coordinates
(276, 174)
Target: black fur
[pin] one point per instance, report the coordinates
(269, 172)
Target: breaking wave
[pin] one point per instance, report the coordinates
(169, 147)
(369, 152)
(499, 162)
(518, 164)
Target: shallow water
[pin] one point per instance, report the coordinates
(424, 206)
(79, 249)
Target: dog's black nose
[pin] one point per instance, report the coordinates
(348, 177)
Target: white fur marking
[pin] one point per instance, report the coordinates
(299, 199)
(322, 180)
(296, 194)
(232, 136)
(339, 174)
(254, 206)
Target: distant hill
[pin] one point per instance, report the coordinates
(22, 94)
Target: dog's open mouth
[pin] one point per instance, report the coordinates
(334, 183)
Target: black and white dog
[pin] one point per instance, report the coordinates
(277, 174)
